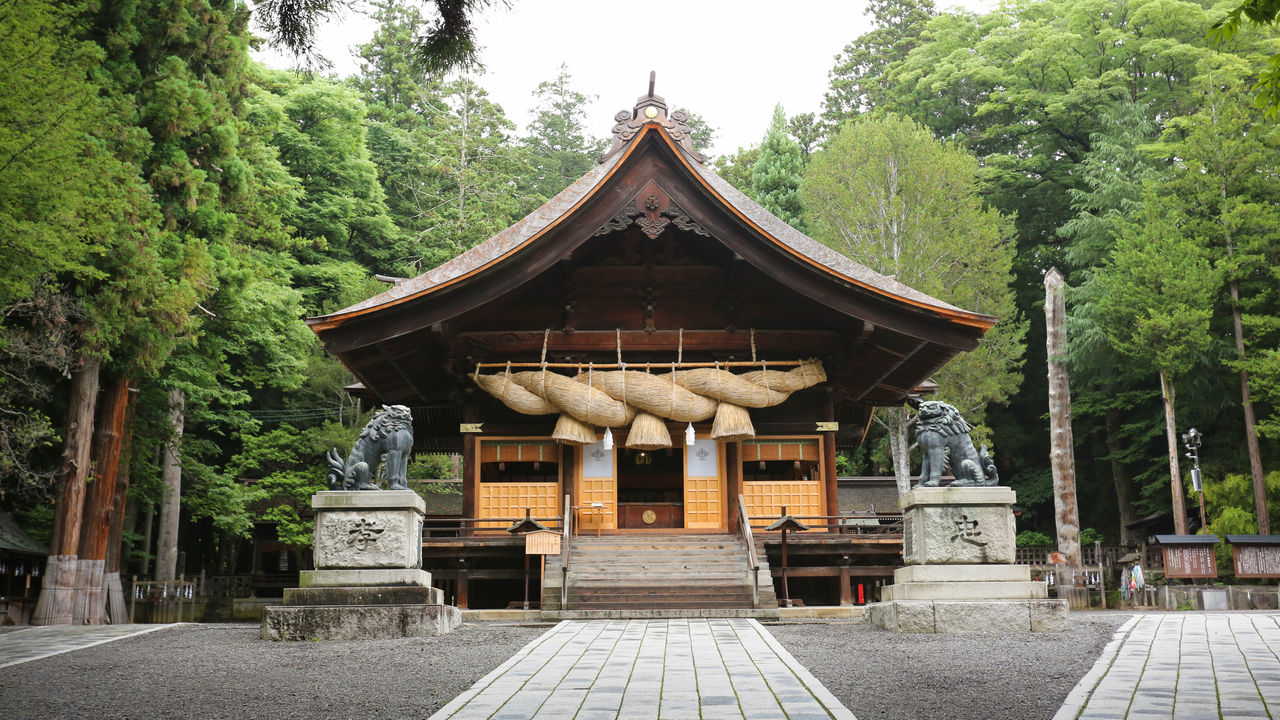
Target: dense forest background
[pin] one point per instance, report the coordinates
(170, 211)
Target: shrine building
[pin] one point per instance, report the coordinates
(650, 352)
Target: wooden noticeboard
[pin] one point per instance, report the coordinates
(542, 543)
(1255, 556)
(1189, 556)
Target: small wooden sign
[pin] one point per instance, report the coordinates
(542, 542)
(1189, 556)
(469, 427)
(1255, 556)
(828, 427)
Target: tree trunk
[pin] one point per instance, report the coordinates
(899, 448)
(1250, 426)
(148, 526)
(170, 506)
(54, 605)
(116, 609)
(1120, 478)
(1175, 475)
(1062, 459)
(89, 601)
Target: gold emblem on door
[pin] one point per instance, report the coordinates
(648, 517)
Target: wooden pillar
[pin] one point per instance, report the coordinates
(733, 483)
(846, 592)
(1061, 445)
(54, 605)
(99, 505)
(567, 474)
(470, 483)
(462, 588)
(830, 472)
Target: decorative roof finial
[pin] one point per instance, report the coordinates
(651, 108)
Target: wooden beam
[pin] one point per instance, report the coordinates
(836, 570)
(410, 379)
(529, 343)
(875, 380)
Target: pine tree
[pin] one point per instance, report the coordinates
(776, 175)
(560, 149)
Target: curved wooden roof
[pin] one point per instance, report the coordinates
(769, 241)
(392, 340)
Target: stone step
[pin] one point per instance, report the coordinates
(660, 613)
(964, 591)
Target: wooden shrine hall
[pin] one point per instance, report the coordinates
(648, 353)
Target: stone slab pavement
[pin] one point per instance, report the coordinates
(1184, 666)
(639, 669)
(33, 643)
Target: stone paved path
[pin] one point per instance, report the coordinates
(638, 669)
(33, 643)
(1184, 666)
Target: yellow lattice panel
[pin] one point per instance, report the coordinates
(703, 503)
(802, 449)
(509, 500)
(598, 490)
(529, 450)
(765, 499)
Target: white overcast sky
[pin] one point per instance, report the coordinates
(730, 61)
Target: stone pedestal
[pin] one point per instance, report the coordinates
(958, 543)
(368, 581)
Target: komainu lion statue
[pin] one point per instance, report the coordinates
(389, 434)
(944, 440)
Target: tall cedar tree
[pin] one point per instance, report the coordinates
(776, 174)
(560, 148)
(1156, 302)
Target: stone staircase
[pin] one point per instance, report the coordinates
(653, 575)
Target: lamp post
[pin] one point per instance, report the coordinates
(1192, 439)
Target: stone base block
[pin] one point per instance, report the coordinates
(963, 590)
(969, 617)
(393, 595)
(367, 529)
(357, 622)
(958, 526)
(373, 577)
(962, 573)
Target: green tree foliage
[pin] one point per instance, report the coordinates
(736, 167)
(1255, 15)
(777, 172)
(321, 141)
(560, 150)
(447, 155)
(857, 82)
(885, 193)
(445, 43)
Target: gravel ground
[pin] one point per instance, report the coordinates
(879, 674)
(227, 671)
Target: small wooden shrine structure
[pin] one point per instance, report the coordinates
(650, 344)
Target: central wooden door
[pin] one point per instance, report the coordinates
(704, 485)
(597, 489)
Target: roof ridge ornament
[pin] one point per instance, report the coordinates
(651, 108)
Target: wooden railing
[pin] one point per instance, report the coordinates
(456, 527)
(753, 562)
(566, 553)
(879, 524)
(1089, 555)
